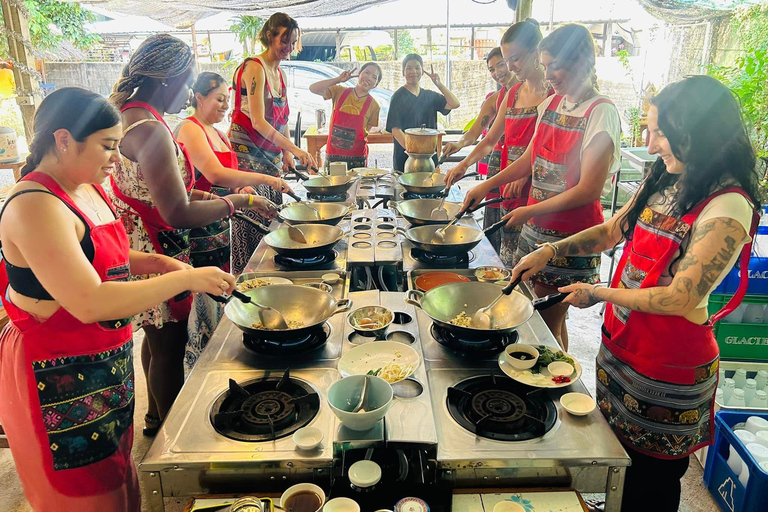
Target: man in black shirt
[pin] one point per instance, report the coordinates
(411, 106)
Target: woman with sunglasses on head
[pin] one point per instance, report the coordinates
(355, 112)
(151, 189)
(216, 175)
(259, 133)
(575, 146)
(66, 355)
(692, 219)
(514, 129)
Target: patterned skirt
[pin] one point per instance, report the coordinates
(509, 239)
(245, 238)
(493, 214)
(657, 418)
(560, 271)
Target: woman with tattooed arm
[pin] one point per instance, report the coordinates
(693, 217)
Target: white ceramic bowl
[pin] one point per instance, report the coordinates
(344, 394)
(302, 488)
(341, 505)
(308, 438)
(560, 369)
(519, 364)
(578, 404)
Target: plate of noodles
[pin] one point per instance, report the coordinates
(390, 360)
(246, 282)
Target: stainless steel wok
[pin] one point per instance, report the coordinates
(327, 213)
(444, 303)
(293, 302)
(329, 185)
(425, 182)
(320, 238)
(458, 239)
(419, 211)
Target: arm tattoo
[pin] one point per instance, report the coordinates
(713, 269)
(584, 243)
(253, 87)
(484, 121)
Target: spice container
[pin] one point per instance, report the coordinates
(248, 504)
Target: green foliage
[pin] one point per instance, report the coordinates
(247, 29)
(623, 56)
(634, 115)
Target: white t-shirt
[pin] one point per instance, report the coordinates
(603, 118)
(731, 206)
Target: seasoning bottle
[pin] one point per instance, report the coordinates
(247, 504)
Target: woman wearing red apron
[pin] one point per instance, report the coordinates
(66, 357)
(355, 112)
(259, 133)
(216, 175)
(576, 144)
(692, 219)
(150, 188)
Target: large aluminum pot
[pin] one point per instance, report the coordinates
(309, 306)
(327, 213)
(320, 238)
(419, 163)
(421, 141)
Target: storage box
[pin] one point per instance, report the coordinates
(757, 271)
(740, 340)
(725, 487)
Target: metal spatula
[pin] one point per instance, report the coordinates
(439, 236)
(270, 318)
(296, 235)
(482, 317)
(439, 212)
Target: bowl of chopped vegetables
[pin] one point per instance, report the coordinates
(371, 321)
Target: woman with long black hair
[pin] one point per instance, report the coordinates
(694, 215)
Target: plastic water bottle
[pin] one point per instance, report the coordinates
(762, 379)
(728, 388)
(761, 400)
(720, 378)
(736, 315)
(749, 392)
(719, 397)
(740, 378)
(737, 399)
(753, 314)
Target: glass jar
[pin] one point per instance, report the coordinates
(248, 504)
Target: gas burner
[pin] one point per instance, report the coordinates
(414, 195)
(336, 198)
(481, 346)
(501, 409)
(262, 345)
(318, 260)
(264, 409)
(439, 260)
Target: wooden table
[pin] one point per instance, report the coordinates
(316, 141)
(16, 166)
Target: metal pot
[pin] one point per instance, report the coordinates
(457, 240)
(320, 238)
(419, 163)
(329, 185)
(327, 213)
(292, 302)
(446, 302)
(419, 211)
(425, 182)
(421, 141)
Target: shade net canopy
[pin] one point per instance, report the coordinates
(677, 11)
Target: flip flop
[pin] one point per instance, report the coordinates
(151, 425)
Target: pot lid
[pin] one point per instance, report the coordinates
(422, 131)
(364, 473)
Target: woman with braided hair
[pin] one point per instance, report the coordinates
(151, 189)
(259, 131)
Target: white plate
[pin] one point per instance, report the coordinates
(367, 172)
(377, 354)
(267, 281)
(541, 380)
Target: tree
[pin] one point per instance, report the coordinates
(247, 29)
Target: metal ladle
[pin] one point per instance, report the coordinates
(271, 319)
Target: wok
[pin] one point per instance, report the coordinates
(419, 211)
(443, 303)
(329, 185)
(458, 239)
(414, 182)
(320, 238)
(292, 302)
(300, 213)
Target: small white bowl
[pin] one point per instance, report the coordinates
(341, 505)
(578, 404)
(519, 364)
(364, 473)
(308, 438)
(330, 278)
(560, 369)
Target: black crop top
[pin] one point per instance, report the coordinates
(22, 279)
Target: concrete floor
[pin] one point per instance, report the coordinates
(583, 328)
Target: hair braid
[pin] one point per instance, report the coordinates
(160, 56)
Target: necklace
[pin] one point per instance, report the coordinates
(587, 95)
(90, 203)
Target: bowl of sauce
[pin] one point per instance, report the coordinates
(521, 357)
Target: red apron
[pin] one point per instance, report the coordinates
(496, 157)
(165, 239)
(68, 392)
(278, 116)
(227, 158)
(346, 135)
(556, 162)
(651, 344)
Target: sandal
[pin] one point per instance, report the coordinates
(151, 425)
(595, 505)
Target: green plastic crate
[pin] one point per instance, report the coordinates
(740, 341)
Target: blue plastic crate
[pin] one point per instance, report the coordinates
(757, 272)
(725, 487)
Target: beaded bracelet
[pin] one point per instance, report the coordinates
(551, 246)
(229, 203)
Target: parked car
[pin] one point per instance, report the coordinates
(302, 74)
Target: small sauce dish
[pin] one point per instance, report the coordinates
(330, 278)
(521, 357)
(308, 438)
(560, 369)
(578, 404)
